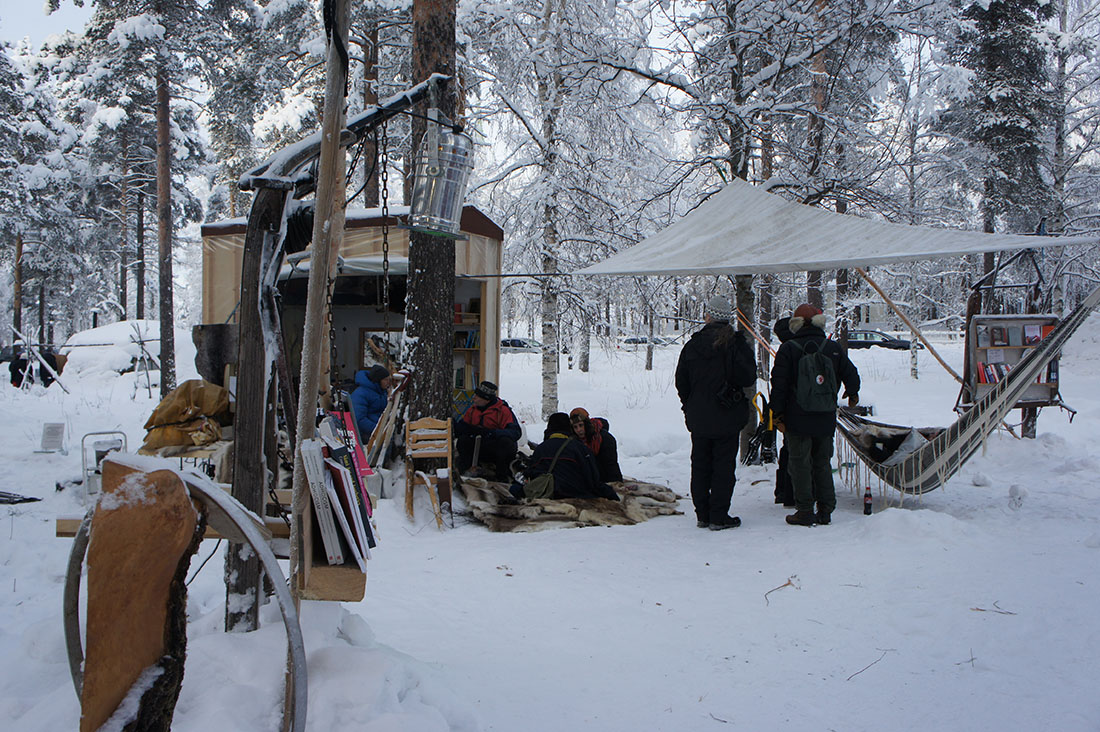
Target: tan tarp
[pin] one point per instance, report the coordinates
(192, 414)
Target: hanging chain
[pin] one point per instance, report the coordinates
(329, 291)
(384, 164)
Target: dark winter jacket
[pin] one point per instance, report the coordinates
(603, 445)
(575, 472)
(368, 399)
(495, 419)
(704, 369)
(785, 375)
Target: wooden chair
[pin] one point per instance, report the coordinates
(426, 438)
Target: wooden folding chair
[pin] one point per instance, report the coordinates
(426, 438)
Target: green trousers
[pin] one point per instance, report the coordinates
(811, 471)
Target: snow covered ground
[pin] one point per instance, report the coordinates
(957, 611)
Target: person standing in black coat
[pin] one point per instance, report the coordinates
(714, 368)
(808, 434)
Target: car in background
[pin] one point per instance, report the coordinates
(868, 338)
(637, 343)
(520, 345)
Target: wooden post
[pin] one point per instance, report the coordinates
(242, 568)
(328, 231)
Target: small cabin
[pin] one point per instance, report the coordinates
(358, 309)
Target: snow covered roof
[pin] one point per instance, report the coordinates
(742, 229)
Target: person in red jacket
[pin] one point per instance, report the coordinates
(491, 419)
(594, 433)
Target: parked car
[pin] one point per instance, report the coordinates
(637, 343)
(868, 338)
(520, 345)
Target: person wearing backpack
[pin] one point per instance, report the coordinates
(715, 368)
(569, 465)
(806, 375)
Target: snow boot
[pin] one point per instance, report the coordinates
(725, 522)
(822, 518)
(701, 524)
(801, 518)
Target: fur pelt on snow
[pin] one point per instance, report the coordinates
(492, 504)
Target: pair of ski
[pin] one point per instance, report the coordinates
(340, 500)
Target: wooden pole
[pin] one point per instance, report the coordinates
(328, 230)
(909, 324)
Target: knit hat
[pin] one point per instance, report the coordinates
(578, 413)
(806, 313)
(486, 390)
(719, 308)
(377, 372)
(559, 422)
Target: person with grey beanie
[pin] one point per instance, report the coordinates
(715, 366)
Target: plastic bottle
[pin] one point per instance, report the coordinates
(867, 501)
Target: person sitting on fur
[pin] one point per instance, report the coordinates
(594, 433)
(369, 398)
(491, 419)
(575, 472)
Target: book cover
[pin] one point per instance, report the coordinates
(1046, 330)
(358, 494)
(998, 336)
(1032, 334)
(1052, 372)
(1015, 335)
(313, 462)
(346, 533)
(981, 334)
(352, 522)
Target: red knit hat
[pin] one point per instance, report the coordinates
(805, 311)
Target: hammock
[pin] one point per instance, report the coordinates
(936, 454)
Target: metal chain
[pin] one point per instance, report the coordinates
(383, 163)
(331, 286)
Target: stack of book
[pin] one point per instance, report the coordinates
(335, 471)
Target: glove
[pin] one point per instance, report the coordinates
(853, 400)
(777, 422)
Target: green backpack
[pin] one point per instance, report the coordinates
(816, 385)
(542, 486)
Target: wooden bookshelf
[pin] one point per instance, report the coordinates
(997, 343)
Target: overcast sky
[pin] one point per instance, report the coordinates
(19, 18)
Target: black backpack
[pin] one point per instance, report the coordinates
(815, 385)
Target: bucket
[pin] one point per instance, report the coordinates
(439, 184)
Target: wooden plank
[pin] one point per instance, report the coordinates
(343, 583)
(66, 526)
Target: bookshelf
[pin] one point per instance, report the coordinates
(469, 337)
(997, 343)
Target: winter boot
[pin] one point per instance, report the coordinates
(822, 518)
(801, 518)
(725, 522)
(701, 524)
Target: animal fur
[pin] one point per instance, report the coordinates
(492, 504)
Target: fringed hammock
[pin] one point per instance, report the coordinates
(927, 457)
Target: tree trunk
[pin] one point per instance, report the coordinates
(139, 277)
(17, 286)
(123, 236)
(371, 172)
(431, 282)
(164, 235)
(814, 292)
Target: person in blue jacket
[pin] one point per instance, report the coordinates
(369, 397)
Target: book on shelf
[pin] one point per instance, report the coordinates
(1046, 330)
(351, 516)
(458, 312)
(313, 460)
(338, 499)
(981, 336)
(998, 336)
(1015, 335)
(1052, 371)
(1032, 334)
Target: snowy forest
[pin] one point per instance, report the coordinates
(597, 123)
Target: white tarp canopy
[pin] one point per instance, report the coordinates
(742, 229)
